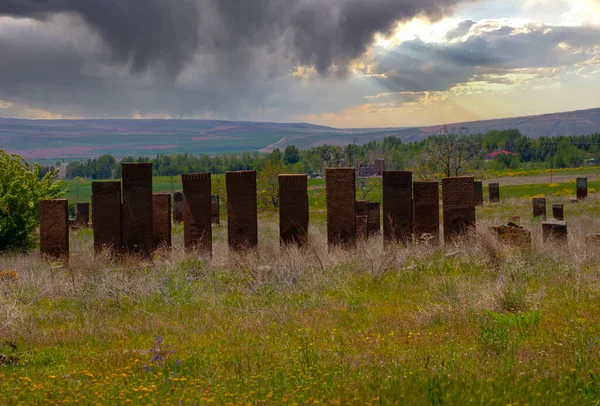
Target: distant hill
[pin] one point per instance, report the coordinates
(49, 140)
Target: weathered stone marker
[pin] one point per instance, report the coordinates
(555, 232)
(458, 207)
(513, 235)
(197, 217)
(582, 188)
(374, 221)
(54, 227)
(478, 193)
(161, 220)
(293, 209)
(362, 227)
(379, 166)
(427, 212)
(178, 207)
(137, 208)
(106, 216)
(539, 207)
(361, 207)
(215, 210)
(82, 214)
(341, 207)
(242, 223)
(494, 192)
(397, 207)
(558, 212)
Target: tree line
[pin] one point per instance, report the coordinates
(432, 154)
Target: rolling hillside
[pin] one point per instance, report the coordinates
(49, 140)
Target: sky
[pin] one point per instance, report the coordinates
(340, 63)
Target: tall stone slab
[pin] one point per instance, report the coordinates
(427, 211)
(478, 193)
(582, 188)
(197, 217)
(54, 228)
(397, 207)
(178, 207)
(494, 192)
(555, 232)
(362, 227)
(242, 222)
(293, 209)
(215, 210)
(137, 208)
(379, 166)
(82, 214)
(341, 206)
(458, 207)
(106, 216)
(161, 220)
(374, 218)
(558, 212)
(539, 207)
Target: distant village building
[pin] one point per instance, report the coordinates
(366, 170)
(490, 157)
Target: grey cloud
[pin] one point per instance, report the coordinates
(463, 28)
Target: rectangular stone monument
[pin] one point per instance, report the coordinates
(293, 209)
(458, 195)
(361, 207)
(137, 208)
(478, 193)
(539, 207)
(242, 223)
(374, 221)
(555, 232)
(362, 227)
(197, 212)
(513, 236)
(54, 227)
(494, 192)
(106, 216)
(379, 166)
(178, 207)
(215, 210)
(341, 206)
(582, 188)
(427, 211)
(558, 212)
(397, 207)
(82, 214)
(161, 220)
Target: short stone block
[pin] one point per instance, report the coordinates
(555, 232)
(82, 214)
(178, 207)
(539, 207)
(558, 212)
(494, 192)
(478, 193)
(582, 188)
(161, 220)
(362, 227)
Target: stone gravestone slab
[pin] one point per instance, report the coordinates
(582, 189)
(341, 206)
(54, 227)
(137, 208)
(362, 227)
(197, 212)
(458, 207)
(478, 193)
(293, 209)
(558, 212)
(361, 207)
(397, 207)
(427, 211)
(242, 223)
(106, 216)
(374, 221)
(178, 207)
(539, 207)
(379, 166)
(494, 192)
(82, 214)
(215, 210)
(555, 232)
(161, 220)
(513, 236)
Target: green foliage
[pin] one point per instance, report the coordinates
(268, 184)
(291, 155)
(20, 191)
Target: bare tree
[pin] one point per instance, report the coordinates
(450, 151)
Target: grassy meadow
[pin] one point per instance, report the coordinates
(474, 322)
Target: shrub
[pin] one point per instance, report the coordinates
(20, 191)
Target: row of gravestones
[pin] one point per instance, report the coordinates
(141, 221)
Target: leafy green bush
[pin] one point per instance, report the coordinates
(20, 191)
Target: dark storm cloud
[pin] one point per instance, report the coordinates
(323, 33)
(462, 29)
(416, 66)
